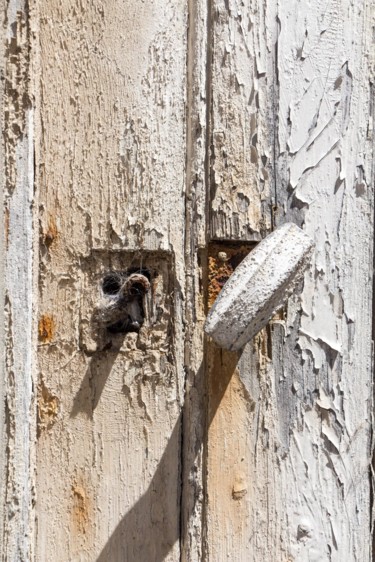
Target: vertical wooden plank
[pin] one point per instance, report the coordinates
(195, 403)
(17, 259)
(289, 439)
(112, 185)
(205, 85)
(241, 206)
(323, 359)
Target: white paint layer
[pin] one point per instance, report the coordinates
(325, 71)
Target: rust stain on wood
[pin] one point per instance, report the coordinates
(81, 508)
(46, 328)
(51, 233)
(48, 407)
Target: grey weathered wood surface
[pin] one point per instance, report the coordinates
(159, 129)
(17, 287)
(195, 401)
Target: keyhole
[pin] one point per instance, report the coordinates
(111, 284)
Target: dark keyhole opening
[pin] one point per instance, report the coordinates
(111, 284)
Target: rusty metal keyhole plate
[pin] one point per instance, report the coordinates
(126, 300)
(122, 307)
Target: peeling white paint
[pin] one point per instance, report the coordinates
(327, 102)
(306, 445)
(164, 126)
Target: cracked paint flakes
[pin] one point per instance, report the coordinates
(314, 146)
(314, 113)
(323, 110)
(16, 92)
(241, 168)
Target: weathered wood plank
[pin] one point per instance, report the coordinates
(242, 198)
(17, 415)
(112, 184)
(287, 430)
(325, 181)
(289, 443)
(195, 403)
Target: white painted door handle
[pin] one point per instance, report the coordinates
(259, 286)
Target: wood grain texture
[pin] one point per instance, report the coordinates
(289, 447)
(241, 208)
(112, 196)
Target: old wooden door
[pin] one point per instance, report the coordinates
(151, 138)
